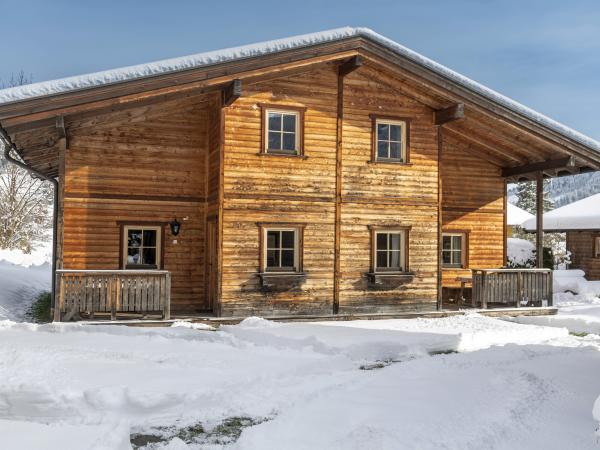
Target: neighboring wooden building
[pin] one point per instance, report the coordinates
(337, 172)
(580, 221)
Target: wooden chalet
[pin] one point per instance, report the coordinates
(331, 173)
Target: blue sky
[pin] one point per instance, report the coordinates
(545, 54)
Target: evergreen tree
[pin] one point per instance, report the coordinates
(526, 194)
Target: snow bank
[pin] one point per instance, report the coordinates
(519, 251)
(574, 281)
(269, 47)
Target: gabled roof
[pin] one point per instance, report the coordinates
(516, 215)
(169, 66)
(583, 214)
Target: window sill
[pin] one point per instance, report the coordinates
(281, 281)
(454, 268)
(389, 162)
(389, 280)
(284, 154)
(141, 267)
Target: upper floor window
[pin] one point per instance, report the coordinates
(390, 140)
(454, 250)
(390, 253)
(282, 130)
(142, 247)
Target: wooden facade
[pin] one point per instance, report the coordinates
(192, 147)
(583, 245)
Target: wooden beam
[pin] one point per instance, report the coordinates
(350, 65)
(539, 217)
(449, 114)
(560, 163)
(232, 92)
(338, 195)
(62, 133)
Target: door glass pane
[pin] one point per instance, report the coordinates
(395, 241)
(273, 239)
(383, 131)
(395, 260)
(395, 150)
(149, 256)
(289, 122)
(395, 132)
(134, 238)
(274, 121)
(133, 256)
(382, 241)
(149, 238)
(289, 141)
(287, 238)
(287, 258)
(273, 258)
(382, 258)
(274, 140)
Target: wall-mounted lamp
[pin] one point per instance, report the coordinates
(175, 227)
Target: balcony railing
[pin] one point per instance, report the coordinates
(516, 287)
(89, 292)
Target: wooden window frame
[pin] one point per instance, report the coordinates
(299, 112)
(464, 256)
(298, 229)
(393, 120)
(160, 246)
(405, 255)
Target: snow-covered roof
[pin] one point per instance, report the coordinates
(167, 66)
(580, 215)
(516, 215)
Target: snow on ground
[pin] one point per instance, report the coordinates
(22, 277)
(300, 384)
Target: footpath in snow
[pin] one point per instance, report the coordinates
(456, 383)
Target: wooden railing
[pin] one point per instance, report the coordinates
(518, 287)
(87, 292)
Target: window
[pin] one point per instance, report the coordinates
(453, 249)
(390, 250)
(597, 247)
(281, 249)
(282, 130)
(142, 247)
(390, 140)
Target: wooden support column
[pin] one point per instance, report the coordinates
(440, 141)
(344, 69)
(539, 218)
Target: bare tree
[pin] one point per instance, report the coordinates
(25, 202)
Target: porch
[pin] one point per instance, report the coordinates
(146, 294)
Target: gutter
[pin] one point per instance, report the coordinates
(10, 145)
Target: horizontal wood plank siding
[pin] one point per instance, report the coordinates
(581, 245)
(133, 167)
(473, 193)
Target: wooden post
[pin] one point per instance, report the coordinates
(338, 195)
(61, 297)
(440, 141)
(167, 297)
(539, 213)
(113, 298)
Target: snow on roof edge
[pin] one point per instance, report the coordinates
(583, 214)
(114, 76)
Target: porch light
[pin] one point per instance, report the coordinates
(175, 227)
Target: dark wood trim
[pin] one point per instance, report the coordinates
(374, 229)
(231, 92)
(148, 198)
(464, 264)
(350, 65)
(263, 128)
(299, 227)
(123, 223)
(559, 163)
(406, 120)
(449, 114)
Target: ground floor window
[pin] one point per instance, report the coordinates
(454, 249)
(597, 246)
(141, 247)
(281, 248)
(390, 250)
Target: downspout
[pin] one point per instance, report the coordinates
(10, 145)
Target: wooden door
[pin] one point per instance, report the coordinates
(212, 267)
